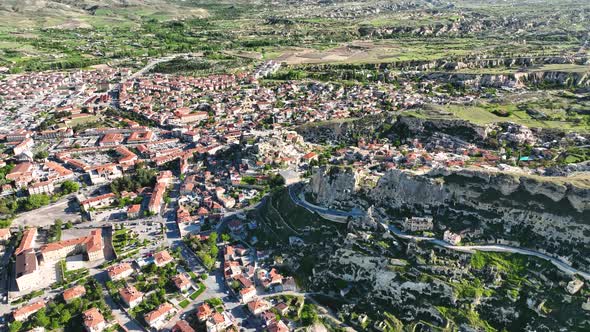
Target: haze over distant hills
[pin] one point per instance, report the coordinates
(87, 13)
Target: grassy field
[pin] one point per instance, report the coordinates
(482, 114)
(568, 68)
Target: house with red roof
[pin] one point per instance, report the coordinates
(119, 271)
(182, 282)
(93, 320)
(162, 258)
(204, 312)
(73, 293)
(182, 326)
(24, 312)
(130, 296)
(259, 306)
(158, 317)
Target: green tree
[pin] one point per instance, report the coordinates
(41, 318)
(308, 315)
(212, 240)
(214, 251)
(15, 326)
(41, 155)
(225, 237)
(35, 201)
(70, 186)
(207, 260)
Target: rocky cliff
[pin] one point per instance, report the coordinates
(345, 131)
(335, 185)
(546, 212)
(520, 79)
(465, 62)
(415, 127)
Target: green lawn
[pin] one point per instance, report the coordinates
(198, 292)
(183, 304)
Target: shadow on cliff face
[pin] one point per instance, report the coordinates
(520, 198)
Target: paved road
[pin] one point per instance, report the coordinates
(154, 63)
(492, 247)
(120, 315)
(299, 200)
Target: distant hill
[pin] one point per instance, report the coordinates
(88, 13)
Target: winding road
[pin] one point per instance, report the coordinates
(151, 64)
(323, 311)
(300, 200)
(563, 266)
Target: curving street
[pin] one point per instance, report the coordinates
(563, 266)
(300, 200)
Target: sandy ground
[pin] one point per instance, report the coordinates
(359, 51)
(47, 215)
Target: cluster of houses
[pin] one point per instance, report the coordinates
(248, 280)
(29, 258)
(37, 178)
(132, 297)
(214, 321)
(36, 92)
(170, 100)
(440, 151)
(93, 320)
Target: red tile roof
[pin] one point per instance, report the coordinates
(92, 317)
(130, 293)
(161, 310)
(93, 242)
(28, 309)
(181, 281)
(134, 208)
(118, 269)
(162, 257)
(218, 318)
(182, 326)
(204, 311)
(74, 292)
(26, 241)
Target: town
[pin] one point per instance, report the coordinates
(158, 173)
(272, 166)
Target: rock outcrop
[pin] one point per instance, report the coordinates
(335, 186)
(555, 210)
(517, 80)
(345, 131)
